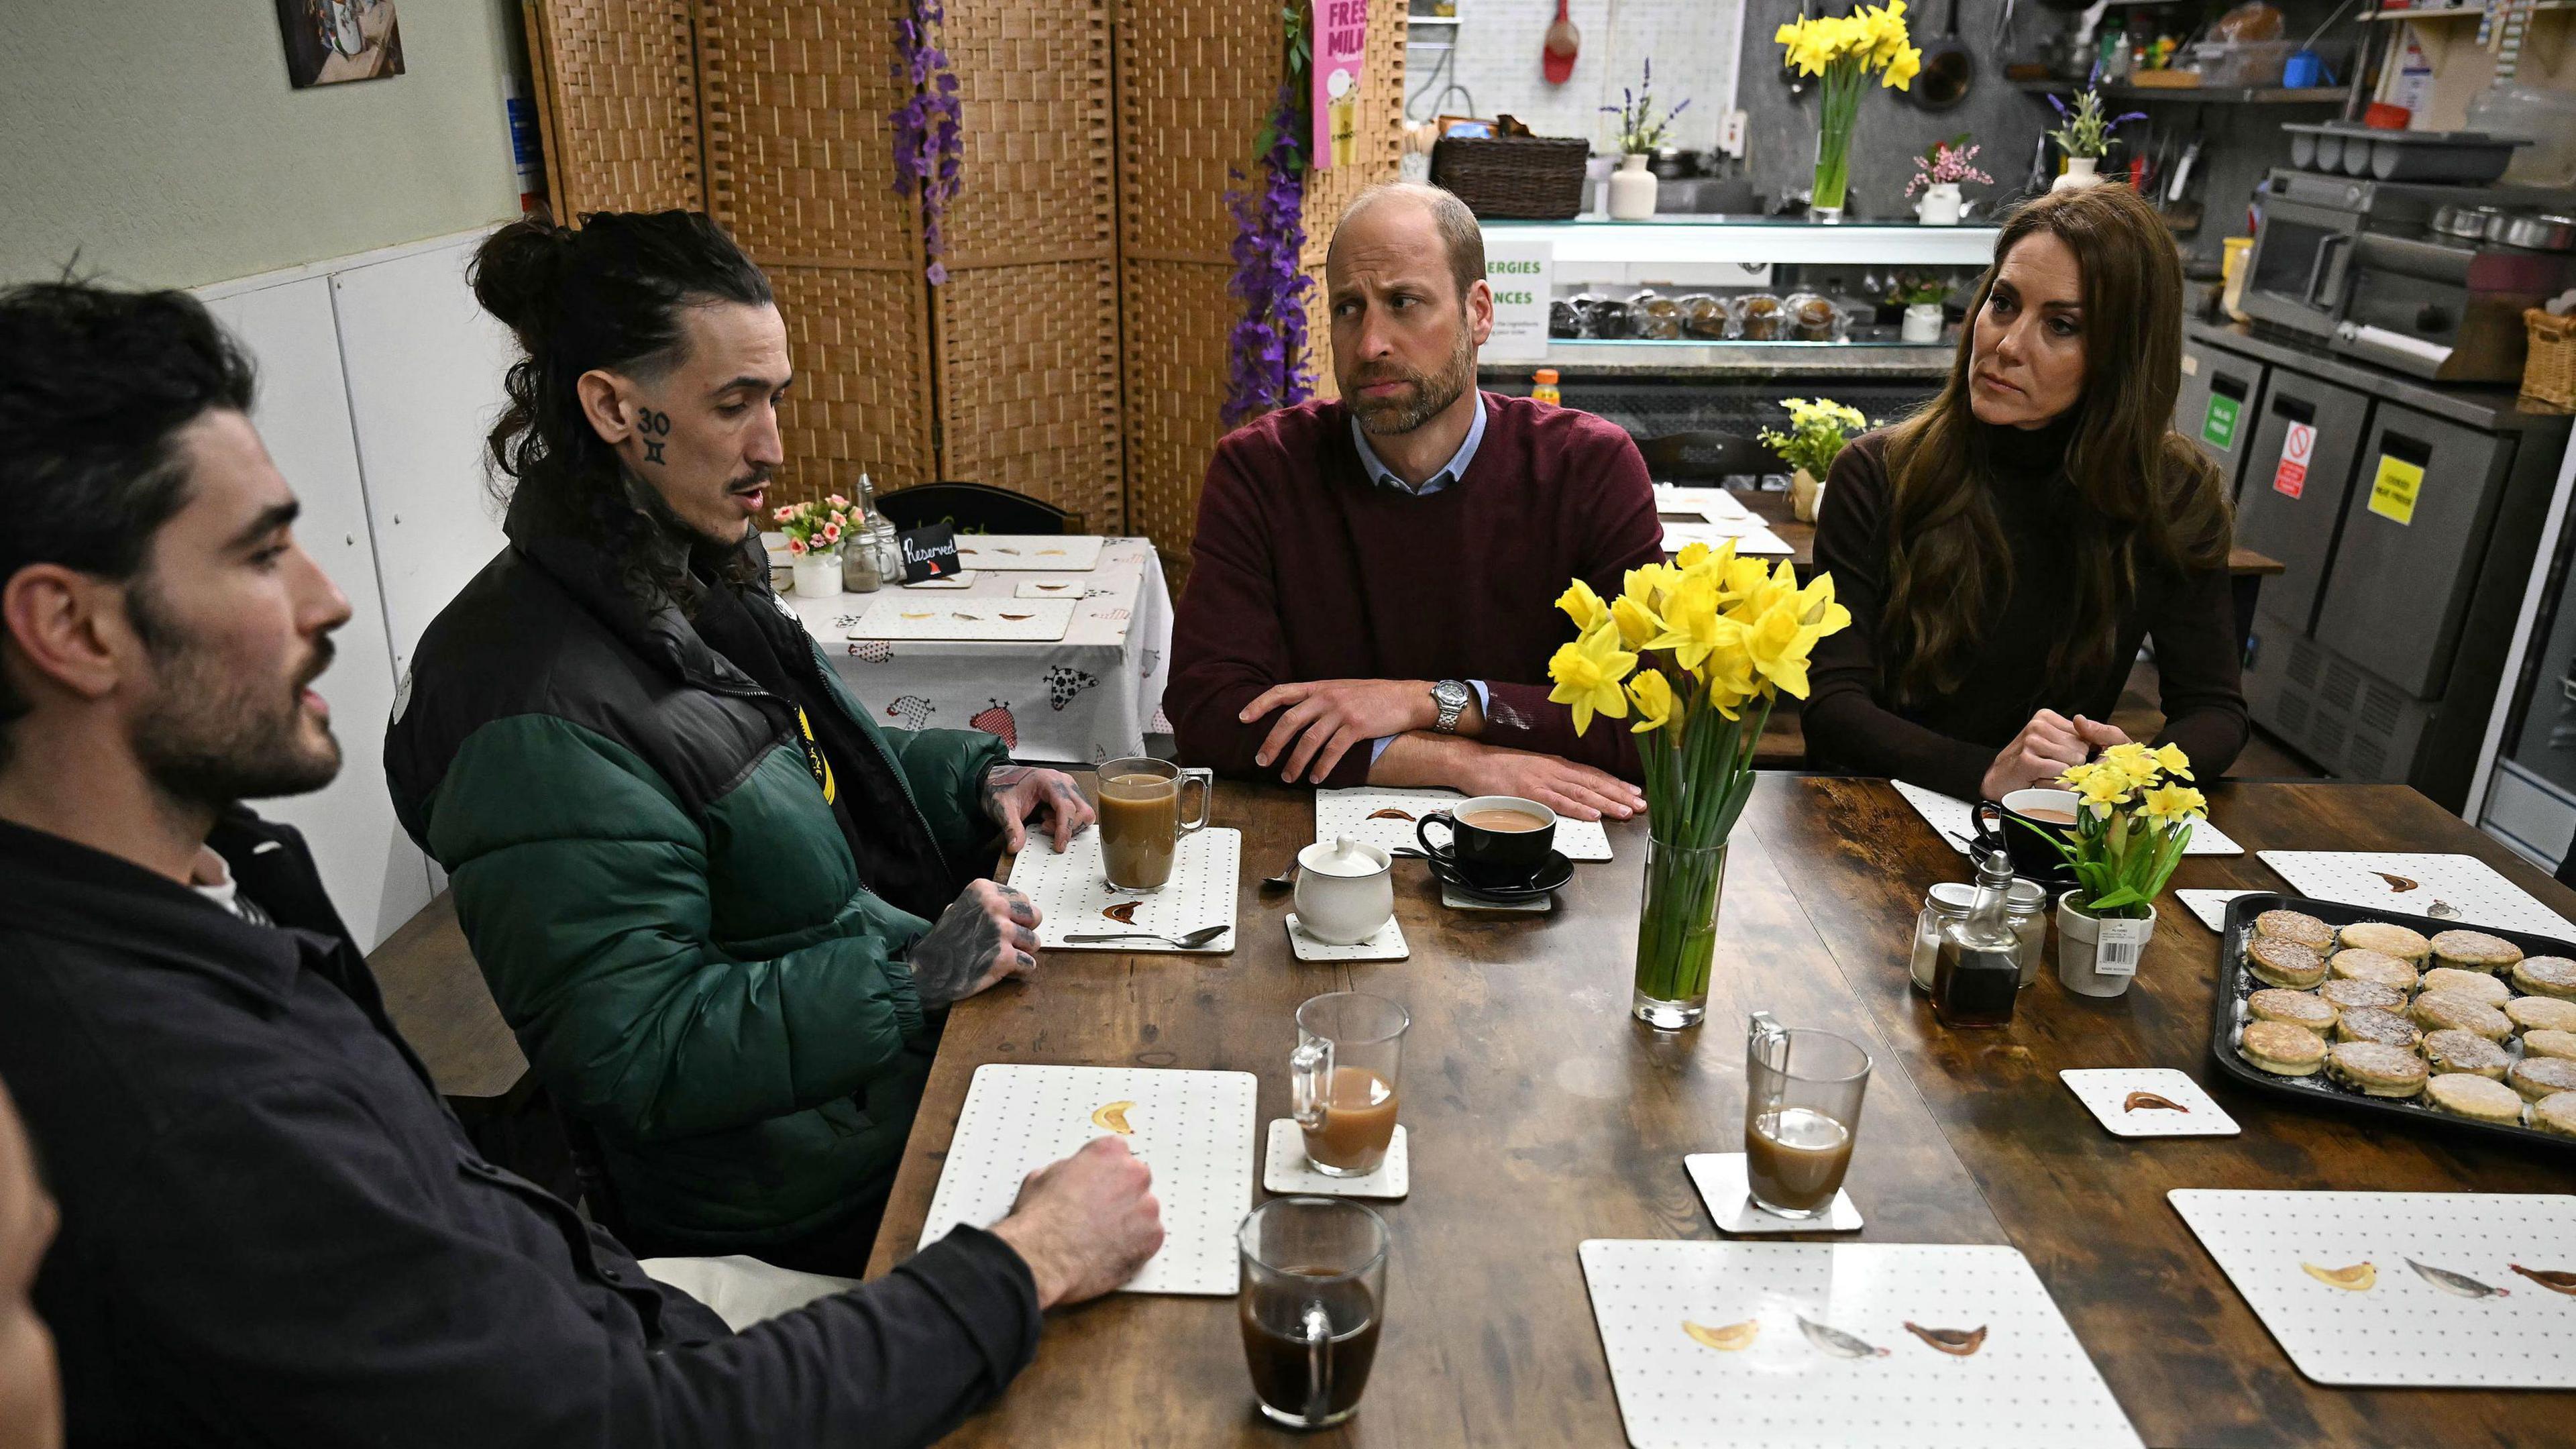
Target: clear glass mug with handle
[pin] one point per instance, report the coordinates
(1341, 1080)
(1802, 1095)
(1313, 1299)
(1141, 824)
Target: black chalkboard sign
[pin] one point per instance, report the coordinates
(929, 552)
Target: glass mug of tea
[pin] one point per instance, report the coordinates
(1314, 1294)
(1802, 1092)
(1341, 1080)
(1140, 819)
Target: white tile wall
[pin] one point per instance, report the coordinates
(1693, 43)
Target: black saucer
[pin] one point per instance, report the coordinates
(1551, 874)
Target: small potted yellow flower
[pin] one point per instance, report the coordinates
(1817, 432)
(1700, 647)
(2132, 819)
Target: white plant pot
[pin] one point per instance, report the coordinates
(1940, 204)
(2079, 944)
(1632, 189)
(1806, 495)
(817, 575)
(1922, 323)
(2080, 173)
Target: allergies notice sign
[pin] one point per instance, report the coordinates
(1522, 275)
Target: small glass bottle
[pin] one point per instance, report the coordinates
(1543, 387)
(860, 573)
(1976, 973)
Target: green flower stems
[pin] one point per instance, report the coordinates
(1843, 81)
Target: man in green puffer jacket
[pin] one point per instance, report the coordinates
(717, 904)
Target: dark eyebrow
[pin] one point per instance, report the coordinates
(755, 384)
(270, 520)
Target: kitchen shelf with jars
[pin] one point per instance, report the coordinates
(1756, 297)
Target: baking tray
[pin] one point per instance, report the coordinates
(2235, 984)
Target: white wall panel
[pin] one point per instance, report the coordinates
(375, 875)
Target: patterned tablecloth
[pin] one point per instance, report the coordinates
(1090, 697)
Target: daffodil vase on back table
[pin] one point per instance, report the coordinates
(1697, 650)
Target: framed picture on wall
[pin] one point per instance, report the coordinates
(330, 41)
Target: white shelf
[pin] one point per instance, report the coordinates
(1694, 239)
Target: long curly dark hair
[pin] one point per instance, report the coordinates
(2151, 500)
(610, 295)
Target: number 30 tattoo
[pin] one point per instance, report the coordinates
(652, 427)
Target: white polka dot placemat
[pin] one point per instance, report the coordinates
(1720, 1178)
(2209, 905)
(1387, 945)
(1019, 621)
(1861, 1344)
(2148, 1102)
(1073, 897)
(1073, 553)
(1285, 1168)
(1955, 821)
(2451, 1289)
(1195, 1129)
(1386, 819)
(2467, 889)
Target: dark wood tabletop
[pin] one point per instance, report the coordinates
(1774, 510)
(1539, 1114)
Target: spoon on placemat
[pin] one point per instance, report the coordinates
(1187, 940)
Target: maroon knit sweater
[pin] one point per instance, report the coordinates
(1304, 569)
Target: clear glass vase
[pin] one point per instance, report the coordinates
(1833, 168)
(1677, 933)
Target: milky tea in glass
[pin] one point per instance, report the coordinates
(1802, 1093)
(1140, 819)
(1341, 1080)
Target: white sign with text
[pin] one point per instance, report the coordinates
(1522, 274)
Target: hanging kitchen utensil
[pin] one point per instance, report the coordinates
(1948, 69)
(1563, 40)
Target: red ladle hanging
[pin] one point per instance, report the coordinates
(1563, 40)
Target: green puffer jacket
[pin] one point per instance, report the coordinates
(666, 910)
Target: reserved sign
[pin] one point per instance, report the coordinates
(929, 552)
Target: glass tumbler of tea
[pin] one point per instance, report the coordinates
(1314, 1293)
(1141, 824)
(1341, 1079)
(1802, 1092)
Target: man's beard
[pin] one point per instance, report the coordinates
(210, 736)
(1432, 394)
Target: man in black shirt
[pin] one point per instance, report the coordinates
(273, 1231)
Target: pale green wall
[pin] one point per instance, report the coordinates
(160, 138)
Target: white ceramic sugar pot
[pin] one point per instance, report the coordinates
(1345, 890)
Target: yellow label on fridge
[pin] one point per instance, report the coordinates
(2393, 488)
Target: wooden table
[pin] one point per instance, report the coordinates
(1540, 1114)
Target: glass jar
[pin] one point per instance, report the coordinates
(2025, 910)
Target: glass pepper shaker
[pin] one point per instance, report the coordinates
(1976, 970)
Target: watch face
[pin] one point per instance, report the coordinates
(1450, 693)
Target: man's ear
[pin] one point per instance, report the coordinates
(1480, 311)
(61, 629)
(609, 402)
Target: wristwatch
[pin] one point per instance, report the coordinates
(1451, 696)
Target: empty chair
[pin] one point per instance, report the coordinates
(976, 508)
(1705, 457)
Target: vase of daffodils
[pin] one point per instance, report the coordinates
(1846, 50)
(1817, 432)
(1700, 648)
(814, 535)
(2132, 819)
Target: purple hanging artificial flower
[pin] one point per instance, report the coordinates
(1267, 363)
(926, 150)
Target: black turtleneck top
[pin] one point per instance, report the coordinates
(1851, 723)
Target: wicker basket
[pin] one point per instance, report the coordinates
(2549, 369)
(1524, 178)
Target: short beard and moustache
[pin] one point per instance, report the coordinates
(210, 736)
(1432, 392)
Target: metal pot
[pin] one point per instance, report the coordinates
(2542, 232)
(2497, 220)
(2453, 219)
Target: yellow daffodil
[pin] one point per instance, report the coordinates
(1588, 675)
(2174, 761)
(1583, 606)
(1644, 583)
(1779, 644)
(2172, 803)
(1692, 624)
(1692, 556)
(1637, 623)
(2104, 789)
(1901, 71)
(1654, 697)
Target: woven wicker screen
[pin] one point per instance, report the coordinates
(1025, 331)
(801, 171)
(617, 104)
(1379, 151)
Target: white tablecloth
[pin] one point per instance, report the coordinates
(1090, 697)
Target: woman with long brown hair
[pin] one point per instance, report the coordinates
(2006, 549)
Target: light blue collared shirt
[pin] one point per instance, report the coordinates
(1451, 472)
(1455, 469)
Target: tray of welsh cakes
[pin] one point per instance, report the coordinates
(2453, 1027)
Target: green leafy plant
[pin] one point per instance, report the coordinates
(2132, 819)
(1817, 431)
(1917, 289)
(2087, 131)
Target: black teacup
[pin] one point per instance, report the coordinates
(1496, 839)
(2028, 824)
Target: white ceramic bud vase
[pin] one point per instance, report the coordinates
(1922, 323)
(817, 575)
(2080, 173)
(1632, 189)
(1940, 204)
(2079, 945)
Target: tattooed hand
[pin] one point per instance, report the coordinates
(989, 934)
(1015, 794)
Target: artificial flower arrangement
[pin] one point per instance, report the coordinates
(1846, 50)
(1817, 432)
(1640, 129)
(2132, 819)
(1947, 163)
(814, 528)
(1917, 289)
(1700, 647)
(2087, 132)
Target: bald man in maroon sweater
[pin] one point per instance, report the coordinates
(1373, 585)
